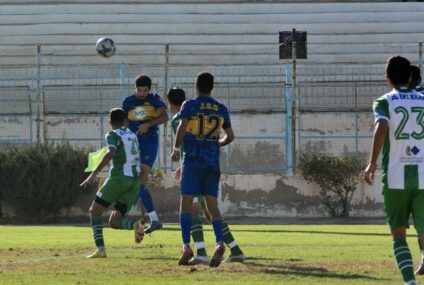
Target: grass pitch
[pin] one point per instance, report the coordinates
(276, 254)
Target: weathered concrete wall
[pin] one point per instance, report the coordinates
(268, 196)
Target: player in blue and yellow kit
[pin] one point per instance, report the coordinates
(176, 97)
(146, 111)
(202, 120)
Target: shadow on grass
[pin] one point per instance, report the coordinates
(302, 270)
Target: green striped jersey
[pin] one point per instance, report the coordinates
(403, 149)
(126, 160)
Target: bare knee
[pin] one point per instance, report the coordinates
(398, 233)
(96, 209)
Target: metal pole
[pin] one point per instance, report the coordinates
(165, 126)
(38, 119)
(289, 118)
(420, 55)
(122, 67)
(294, 112)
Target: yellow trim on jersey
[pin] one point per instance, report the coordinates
(141, 113)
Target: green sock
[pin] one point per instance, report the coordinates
(229, 239)
(127, 224)
(197, 234)
(403, 259)
(97, 226)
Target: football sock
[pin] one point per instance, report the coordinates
(153, 216)
(127, 224)
(197, 234)
(217, 229)
(229, 239)
(146, 199)
(403, 259)
(185, 223)
(97, 226)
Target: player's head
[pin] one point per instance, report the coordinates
(398, 71)
(204, 83)
(415, 77)
(143, 83)
(176, 97)
(117, 118)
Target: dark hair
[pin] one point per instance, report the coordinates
(398, 70)
(176, 96)
(117, 116)
(204, 82)
(143, 81)
(416, 76)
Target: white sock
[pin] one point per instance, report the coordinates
(153, 216)
(199, 245)
(232, 244)
(101, 248)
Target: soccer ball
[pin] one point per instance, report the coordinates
(105, 47)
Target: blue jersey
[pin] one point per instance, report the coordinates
(141, 111)
(206, 119)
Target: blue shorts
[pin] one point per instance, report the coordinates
(200, 179)
(149, 145)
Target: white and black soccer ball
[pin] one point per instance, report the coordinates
(105, 47)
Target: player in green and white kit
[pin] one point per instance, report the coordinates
(399, 131)
(176, 96)
(121, 187)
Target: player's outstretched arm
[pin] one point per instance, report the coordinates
(228, 138)
(381, 128)
(160, 119)
(105, 161)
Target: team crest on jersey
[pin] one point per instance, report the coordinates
(412, 151)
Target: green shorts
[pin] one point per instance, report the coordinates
(400, 204)
(201, 200)
(121, 190)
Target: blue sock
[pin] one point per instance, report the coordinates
(146, 198)
(217, 229)
(185, 222)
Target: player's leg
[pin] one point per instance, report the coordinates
(96, 222)
(106, 195)
(397, 205)
(119, 219)
(236, 253)
(211, 186)
(191, 178)
(197, 234)
(418, 216)
(149, 145)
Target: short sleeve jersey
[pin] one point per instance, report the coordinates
(206, 120)
(126, 160)
(403, 149)
(141, 111)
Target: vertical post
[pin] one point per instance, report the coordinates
(293, 110)
(289, 118)
(165, 126)
(38, 119)
(122, 90)
(420, 55)
(229, 150)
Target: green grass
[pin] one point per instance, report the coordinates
(277, 254)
